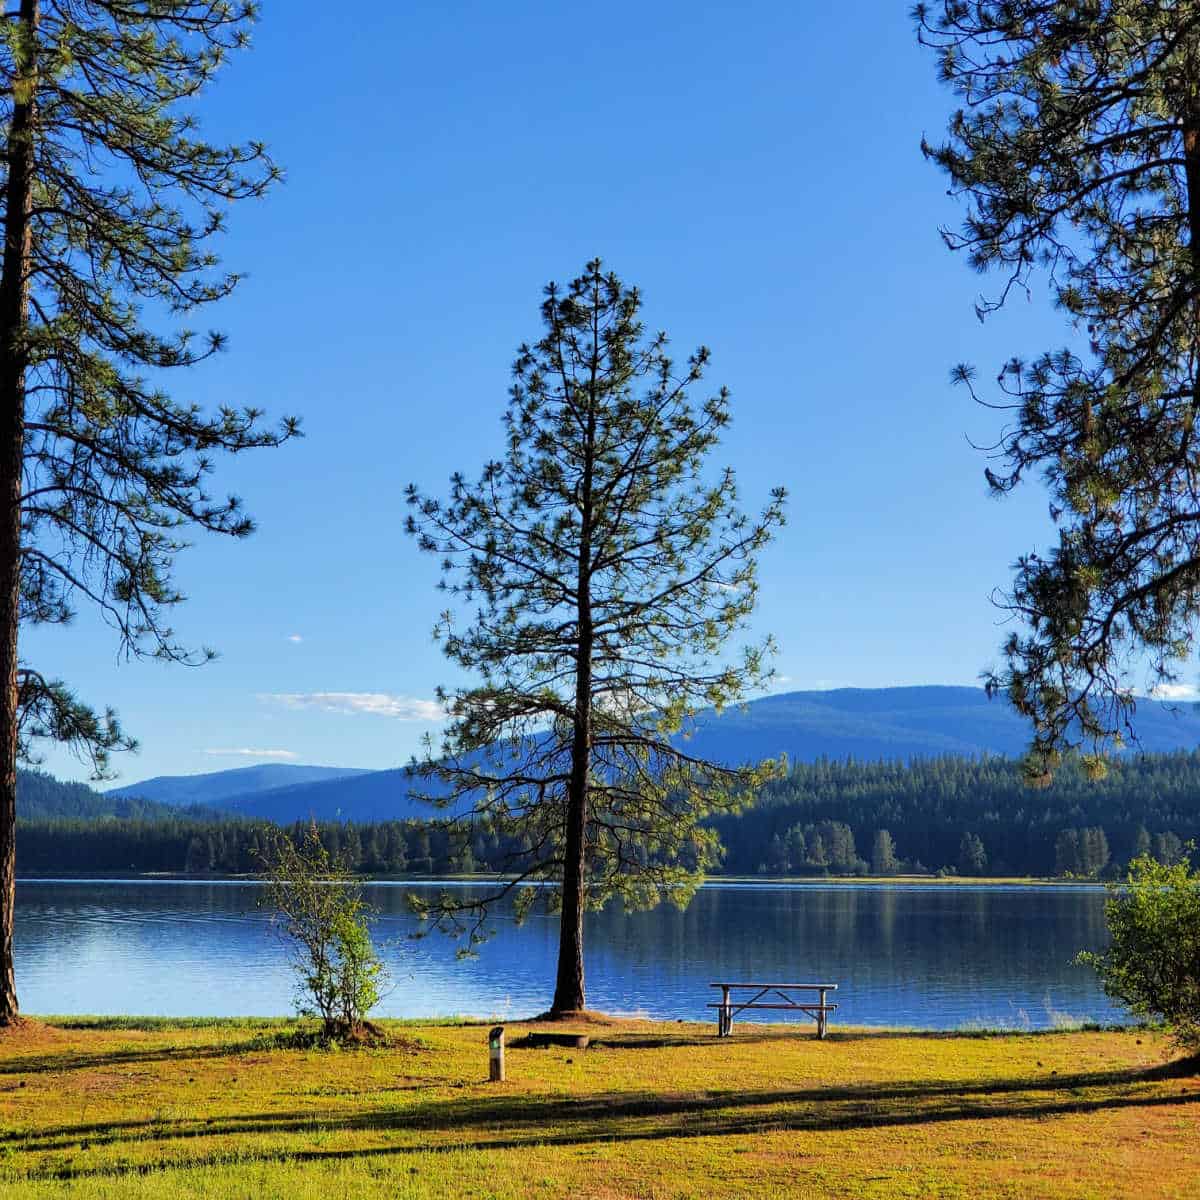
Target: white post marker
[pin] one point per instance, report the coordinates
(496, 1055)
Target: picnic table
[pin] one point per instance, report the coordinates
(775, 996)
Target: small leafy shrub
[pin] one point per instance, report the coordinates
(316, 905)
(1152, 965)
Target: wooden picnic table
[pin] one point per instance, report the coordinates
(773, 996)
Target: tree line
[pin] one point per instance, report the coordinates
(963, 815)
(182, 844)
(948, 815)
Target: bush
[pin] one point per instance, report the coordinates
(1152, 965)
(317, 906)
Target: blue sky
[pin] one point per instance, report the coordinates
(754, 169)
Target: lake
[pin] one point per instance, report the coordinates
(915, 955)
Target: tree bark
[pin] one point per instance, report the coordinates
(14, 317)
(569, 993)
(1191, 158)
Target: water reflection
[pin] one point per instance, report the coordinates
(936, 957)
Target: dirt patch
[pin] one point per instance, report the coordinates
(578, 1016)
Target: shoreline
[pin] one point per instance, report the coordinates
(790, 881)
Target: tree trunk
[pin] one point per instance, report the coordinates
(568, 987)
(14, 313)
(1191, 158)
(569, 993)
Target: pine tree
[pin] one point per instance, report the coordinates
(817, 857)
(608, 572)
(1093, 850)
(883, 854)
(196, 859)
(1141, 842)
(1068, 859)
(397, 851)
(109, 200)
(778, 861)
(797, 847)
(1077, 152)
(972, 855)
(422, 860)
(1168, 848)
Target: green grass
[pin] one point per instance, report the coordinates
(120, 1107)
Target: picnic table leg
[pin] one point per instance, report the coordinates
(821, 1015)
(726, 1012)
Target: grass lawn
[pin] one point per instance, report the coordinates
(170, 1109)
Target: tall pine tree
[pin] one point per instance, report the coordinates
(1077, 153)
(606, 570)
(110, 199)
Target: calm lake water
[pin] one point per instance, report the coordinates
(927, 956)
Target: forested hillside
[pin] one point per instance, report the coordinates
(943, 812)
(41, 797)
(971, 816)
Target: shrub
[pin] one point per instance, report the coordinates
(1152, 965)
(318, 909)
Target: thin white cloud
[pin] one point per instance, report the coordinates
(295, 637)
(1174, 691)
(246, 752)
(375, 704)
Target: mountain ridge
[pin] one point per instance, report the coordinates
(865, 724)
(214, 787)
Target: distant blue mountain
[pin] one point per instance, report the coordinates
(864, 724)
(901, 723)
(904, 723)
(365, 797)
(218, 787)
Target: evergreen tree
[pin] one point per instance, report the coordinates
(397, 851)
(1141, 842)
(1067, 857)
(609, 572)
(1168, 848)
(109, 199)
(196, 860)
(422, 858)
(972, 856)
(352, 849)
(778, 861)
(839, 844)
(883, 854)
(797, 847)
(1094, 854)
(817, 857)
(1078, 151)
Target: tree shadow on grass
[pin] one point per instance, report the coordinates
(74, 1060)
(299, 1039)
(752, 1033)
(501, 1120)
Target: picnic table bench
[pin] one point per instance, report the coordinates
(773, 996)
